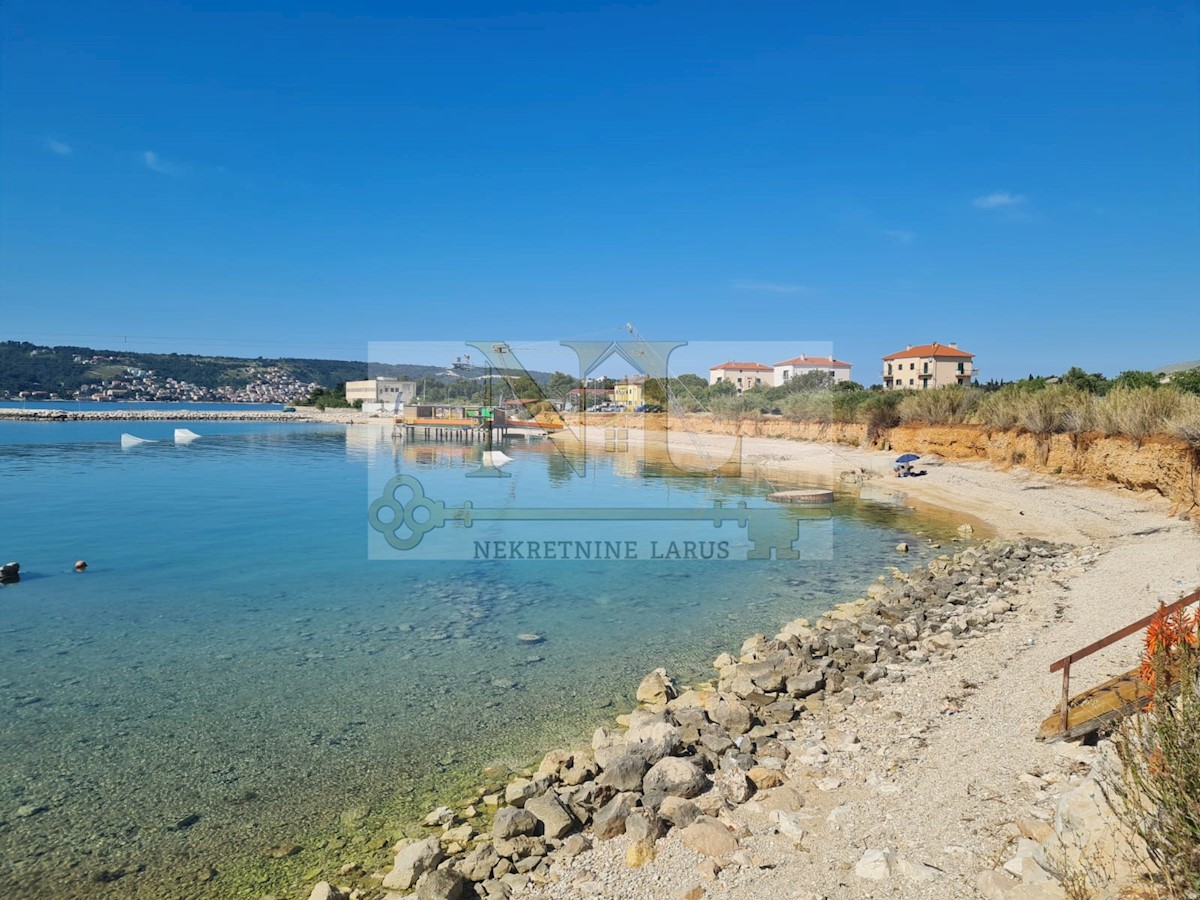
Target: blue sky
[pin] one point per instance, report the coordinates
(299, 178)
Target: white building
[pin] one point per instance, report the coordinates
(742, 375)
(385, 391)
(801, 365)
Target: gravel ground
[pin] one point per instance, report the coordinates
(941, 766)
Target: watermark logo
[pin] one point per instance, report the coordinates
(503, 455)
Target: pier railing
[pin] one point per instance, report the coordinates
(1064, 664)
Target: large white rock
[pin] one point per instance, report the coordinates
(876, 865)
(788, 823)
(412, 862)
(676, 777)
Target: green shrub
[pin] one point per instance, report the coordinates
(808, 406)
(733, 408)
(879, 410)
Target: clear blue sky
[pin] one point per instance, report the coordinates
(300, 178)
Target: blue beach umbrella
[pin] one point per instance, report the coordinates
(907, 457)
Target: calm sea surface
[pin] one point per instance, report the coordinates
(233, 675)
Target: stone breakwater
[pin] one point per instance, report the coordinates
(175, 415)
(689, 756)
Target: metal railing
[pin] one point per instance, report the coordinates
(1065, 663)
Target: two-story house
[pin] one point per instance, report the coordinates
(742, 375)
(927, 366)
(630, 392)
(801, 365)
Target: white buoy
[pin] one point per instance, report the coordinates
(185, 435)
(132, 440)
(496, 458)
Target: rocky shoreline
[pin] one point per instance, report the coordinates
(689, 757)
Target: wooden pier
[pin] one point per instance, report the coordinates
(457, 431)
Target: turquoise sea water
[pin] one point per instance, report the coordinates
(233, 673)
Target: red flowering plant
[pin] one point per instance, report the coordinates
(1158, 790)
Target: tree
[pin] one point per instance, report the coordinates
(560, 384)
(654, 391)
(1188, 381)
(1134, 379)
(721, 389)
(693, 383)
(1093, 383)
(524, 388)
(816, 380)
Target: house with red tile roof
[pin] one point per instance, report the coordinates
(928, 366)
(742, 375)
(802, 365)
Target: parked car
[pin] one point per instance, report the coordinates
(648, 408)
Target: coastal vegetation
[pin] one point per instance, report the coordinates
(1126, 405)
(331, 398)
(1158, 790)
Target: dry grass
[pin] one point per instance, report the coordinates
(1057, 409)
(949, 405)
(1137, 413)
(1141, 412)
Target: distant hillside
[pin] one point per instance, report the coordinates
(62, 371)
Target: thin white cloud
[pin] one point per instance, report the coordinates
(156, 163)
(58, 148)
(900, 236)
(999, 200)
(771, 287)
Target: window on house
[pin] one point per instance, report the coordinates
(889, 368)
(910, 381)
(911, 366)
(960, 368)
(925, 368)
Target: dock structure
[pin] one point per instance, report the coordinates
(1084, 714)
(447, 423)
(446, 429)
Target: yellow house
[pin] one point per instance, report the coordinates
(927, 366)
(630, 392)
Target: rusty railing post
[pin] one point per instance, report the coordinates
(1066, 695)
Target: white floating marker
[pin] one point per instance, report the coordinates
(132, 440)
(185, 435)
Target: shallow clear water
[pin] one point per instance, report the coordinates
(232, 653)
